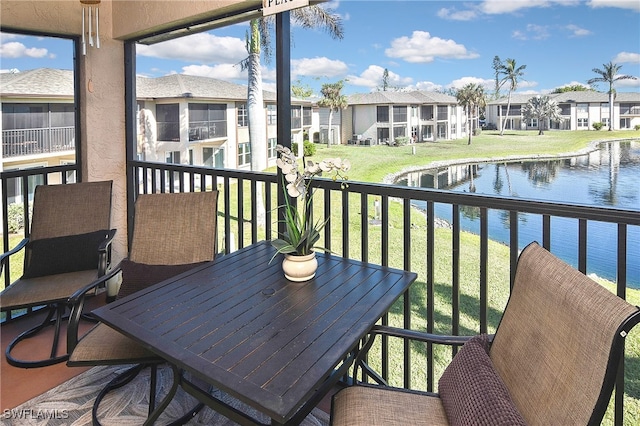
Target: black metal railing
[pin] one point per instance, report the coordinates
(380, 223)
(19, 142)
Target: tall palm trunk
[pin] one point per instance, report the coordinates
(330, 133)
(255, 114)
(504, 122)
(611, 97)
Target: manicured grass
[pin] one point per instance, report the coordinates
(373, 164)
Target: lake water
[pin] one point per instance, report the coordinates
(608, 177)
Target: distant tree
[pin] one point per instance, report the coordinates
(301, 91)
(572, 88)
(544, 109)
(511, 75)
(609, 74)
(472, 97)
(385, 80)
(333, 99)
(496, 65)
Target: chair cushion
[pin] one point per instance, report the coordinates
(472, 393)
(138, 276)
(70, 253)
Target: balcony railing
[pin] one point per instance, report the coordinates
(379, 223)
(20, 142)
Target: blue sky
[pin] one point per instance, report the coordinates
(425, 45)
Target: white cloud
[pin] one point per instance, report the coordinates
(318, 67)
(629, 57)
(422, 48)
(622, 4)
(488, 84)
(576, 31)
(457, 15)
(497, 7)
(628, 83)
(427, 86)
(14, 49)
(533, 32)
(202, 48)
(221, 72)
(372, 78)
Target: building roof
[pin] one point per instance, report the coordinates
(586, 96)
(402, 98)
(41, 82)
(48, 83)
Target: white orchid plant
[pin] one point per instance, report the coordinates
(301, 234)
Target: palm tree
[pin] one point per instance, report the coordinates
(609, 74)
(542, 108)
(472, 98)
(334, 100)
(511, 74)
(259, 43)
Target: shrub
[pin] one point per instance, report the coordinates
(597, 125)
(15, 218)
(401, 140)
(636, 127)
(309, 148)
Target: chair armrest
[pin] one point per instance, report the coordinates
(419, 336)
(76, 304)
(11, 252)
(104, 253)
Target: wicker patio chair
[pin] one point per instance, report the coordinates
(67, 248)
(553, 359)
(172, 233)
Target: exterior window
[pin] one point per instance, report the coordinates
(244, 154)
(296, 117)
(565, 109)
(272, 115)
(172, 157)
(383, 115)
(427, 133)
(625, 123)
(207, 121)
(271, 147)
(604, 108)
(306, 116)
(168, 122)
(442, 131)
(583, 122)
(443, 112)
(400, 114)
(583, 108)
(243, 118)
(605, 121)
(213, 157)
(533, 122)
(426, 112)
(399, 131)
(383, 134)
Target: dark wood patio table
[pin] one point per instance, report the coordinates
(238, 324)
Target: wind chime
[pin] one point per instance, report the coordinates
(89, 27)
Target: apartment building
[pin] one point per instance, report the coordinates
(579, 110)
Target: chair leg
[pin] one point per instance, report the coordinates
(130, 374)
(57, 310)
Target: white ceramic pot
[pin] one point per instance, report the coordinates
(299, 268)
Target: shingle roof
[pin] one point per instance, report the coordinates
(404, 98)
(45, 82)
(586, 96)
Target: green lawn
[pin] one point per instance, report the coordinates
(373, 164)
